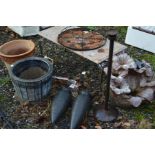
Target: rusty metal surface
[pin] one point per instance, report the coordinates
(97, 56)
(81, 39)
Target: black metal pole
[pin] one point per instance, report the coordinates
(109, 74)
(103, 111)
(41, 47)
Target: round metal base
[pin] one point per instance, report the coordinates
(105, 115)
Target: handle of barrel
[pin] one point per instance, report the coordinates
(46, 57)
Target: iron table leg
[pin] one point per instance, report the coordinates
(104, 112)
(41, 47)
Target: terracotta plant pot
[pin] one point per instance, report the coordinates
(15, 50)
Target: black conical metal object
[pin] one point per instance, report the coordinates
(80, 107)
(105, 113)
(60, 104)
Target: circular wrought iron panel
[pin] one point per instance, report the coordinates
(81, 39)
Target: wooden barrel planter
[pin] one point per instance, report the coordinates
(32, 78)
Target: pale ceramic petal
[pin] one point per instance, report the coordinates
(147, 94)
(136, 101)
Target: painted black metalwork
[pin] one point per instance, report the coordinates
(103, 111)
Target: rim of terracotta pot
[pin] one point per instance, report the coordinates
(18, 55)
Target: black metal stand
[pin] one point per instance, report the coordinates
(104, 112)
(40, 43)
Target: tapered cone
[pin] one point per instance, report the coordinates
(60, 104)
(80, 108)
